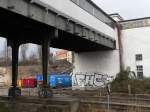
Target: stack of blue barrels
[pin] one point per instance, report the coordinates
(57, 80)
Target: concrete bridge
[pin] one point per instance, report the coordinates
(76, 25)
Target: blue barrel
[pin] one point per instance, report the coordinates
(39, 77)
(57, 80)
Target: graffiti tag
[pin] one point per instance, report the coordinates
(91, 79)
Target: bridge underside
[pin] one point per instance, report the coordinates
(25, 30)
(26, 23)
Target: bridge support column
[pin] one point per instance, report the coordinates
(14, 90)
(46, 90)
(45, 58)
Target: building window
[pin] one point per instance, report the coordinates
(139, 57)
(139, 71)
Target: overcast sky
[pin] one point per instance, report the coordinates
(128, 9)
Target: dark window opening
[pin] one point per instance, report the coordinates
(139, 71)
(139, 57)
(140, 75)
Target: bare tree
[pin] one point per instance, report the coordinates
(39, 50)
(9, 55)
(23, 50)
(3, 54)
(33, 56)
(5, 48)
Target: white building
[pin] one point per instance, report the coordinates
(136, 44)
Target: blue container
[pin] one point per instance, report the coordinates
(57, 80)
(39, 77)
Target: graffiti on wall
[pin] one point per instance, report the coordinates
(91, 79)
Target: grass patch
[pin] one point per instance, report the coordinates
(3, 108)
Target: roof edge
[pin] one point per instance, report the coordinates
(134, 19)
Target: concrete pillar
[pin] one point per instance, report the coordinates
(45, 58)
(46, 90)
(14, 91)
(15, 49)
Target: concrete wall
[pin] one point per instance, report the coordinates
(104, 62)
(74, 12)
(136, 41)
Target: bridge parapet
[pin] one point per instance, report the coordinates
(94, 10)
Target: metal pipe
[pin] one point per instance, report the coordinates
(119, 28)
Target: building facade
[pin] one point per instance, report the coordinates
(134, 37)
(136, 44)
(63, 55)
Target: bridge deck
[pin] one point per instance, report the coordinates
(24, 21)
